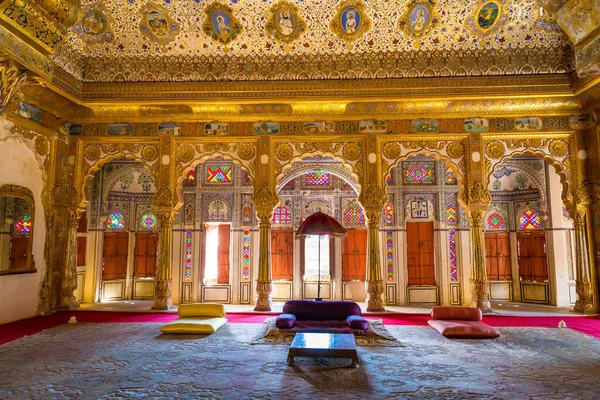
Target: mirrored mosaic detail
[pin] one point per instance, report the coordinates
(451, 212)
(495, 221)
(388, 179)
(219, 173)
(246, 255)
(188, 255)
(450, 178)
(148, 222)
(530, 220)
(389, 238)
(282, 215)
(569, 256)
(565, 213)
(452, 253)
(389, 214)
(191, 177)
(317, 178)
(115, 221)
(246, 214)
(23, 224)
(419, 173)
(354, 215)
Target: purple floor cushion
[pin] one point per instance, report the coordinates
(357, 322)
(285, 321)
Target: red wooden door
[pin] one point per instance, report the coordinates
(116, 246)
(223, 254)
(420, 253)
(146, 252)
(354, 255)
(282, 254)
(532, 256)
(19, 248)
(81, 243)
(497, 254)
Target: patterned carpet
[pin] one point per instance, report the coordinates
(108, 361)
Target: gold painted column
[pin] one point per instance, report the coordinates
(583, 266)
(373, 202)
(164, 272)
(69, 278)
(479, 200)
(264, 201)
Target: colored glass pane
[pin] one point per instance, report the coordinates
(188, 255)
(451, 212)
(354, 215)
(450, 178)
(565, 213)
(389, 214)
(115, 221)
(282, 215)
(389, 238)
(317, 178)
(148, 221)
(246, 255)
(530, 220)
(219, 173)
(246, 213)
(191, 178)
(418, 173)
(23, 224)
(495, 221)
(452, 250)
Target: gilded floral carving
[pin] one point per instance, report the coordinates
(41, 145)
(391, 150)
(284, 151)
(185, 153)
(558, 148)
(91, 152)
(246, 151)
(351, 151)
(149, 153)
(455, 150)
(494, 150)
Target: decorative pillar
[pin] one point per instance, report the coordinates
(69, 278)
(479, 200)
(164, 281)
(373, 202)
(583, 266)
(264, 201)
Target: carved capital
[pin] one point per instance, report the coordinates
(11, 78)
(265, 200)
(373, 197)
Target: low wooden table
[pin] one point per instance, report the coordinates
(324, 345)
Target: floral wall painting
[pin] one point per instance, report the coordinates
(95, 26)
(372, 126)
(169, 129)
(119, 129)
(319, 127)
(350, 21)
(220, 24)
(157, 25)
(216, 129)
(30, 112)
(425, 125)
(487, 17)
(419, 19)
(285, 24)
(477, 125)
(528, 124)
(265, 128)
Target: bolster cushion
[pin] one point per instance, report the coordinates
(285, 321)
(321, 310)
(201, 310)
(357, 322)
(456, 313)
(194, 325)
(464, 329)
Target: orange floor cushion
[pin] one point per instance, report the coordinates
(456, 329)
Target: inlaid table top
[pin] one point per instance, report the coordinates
(333, 345)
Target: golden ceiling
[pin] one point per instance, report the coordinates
(235, 40)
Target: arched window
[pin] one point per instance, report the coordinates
(115, 221)
(389, 213)
(495, 221)
(23, 224)
(530, 219)
(354, 215)
(148, 222)
(451, 213)
(282, 215)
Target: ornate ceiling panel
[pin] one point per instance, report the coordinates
(197, 40)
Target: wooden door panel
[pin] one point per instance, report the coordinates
(532, 256)
(282, 254)
(145, 255)
(223, 254)
(420, 253)
(81, 243)
(115, 255)
(354, 255)
(19, 248)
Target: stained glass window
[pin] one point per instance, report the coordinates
(450, 178)
(451, 212)
(188, 255)
(148, 222)
(23, 224)
(389, 214)
(246, 214)
(282, 215)
(219, 173)
(389, 238)
(565, 213)
(246, 255)
(495, 221)
(419, 173)
(191, 177)
(452, 251)
(317, 178)
(530, 220)
(354, 215)
(115, 221)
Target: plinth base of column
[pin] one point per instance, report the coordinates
(480, 291)
(263, 292)
(69, 302)
(483, 305)
(374, 296)
(583, 307)
(162, 303)
(162, 296)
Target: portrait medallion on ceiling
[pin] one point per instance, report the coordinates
(487, 17)
(95, 26)
(220, 24)
(285, 24)
(419, 19)
(351, 21)
(157, 25)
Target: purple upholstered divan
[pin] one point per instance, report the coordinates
(322, 316)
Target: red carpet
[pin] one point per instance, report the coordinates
(26, 327)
